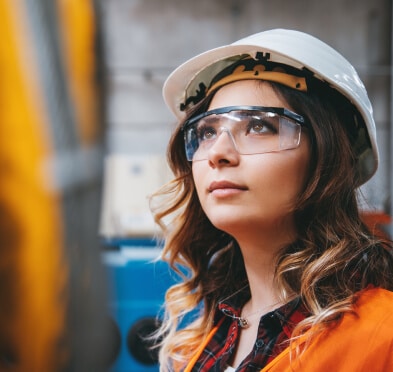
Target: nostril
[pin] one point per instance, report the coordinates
(224, 161)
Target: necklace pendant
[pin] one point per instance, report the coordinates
(243, 322)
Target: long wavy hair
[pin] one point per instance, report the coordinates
(334, 256)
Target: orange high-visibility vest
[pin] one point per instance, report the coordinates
(361, 342)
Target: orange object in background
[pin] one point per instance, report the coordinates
(51, 301)
(377, 222)
(32, 270)
(77, 33)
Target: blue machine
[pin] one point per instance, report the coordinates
(138, 281)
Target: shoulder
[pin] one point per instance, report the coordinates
(371, 320)
(375, 295)
(375, 303)
(365, 333)
(361, 341)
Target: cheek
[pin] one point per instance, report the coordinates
(284, 178)
(302, 166)
(197, 174)
(295, 169)
(298, 176)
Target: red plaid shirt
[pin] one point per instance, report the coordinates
(275, 328)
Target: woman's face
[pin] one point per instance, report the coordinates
(245, 195)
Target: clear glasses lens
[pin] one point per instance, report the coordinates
(250, 131)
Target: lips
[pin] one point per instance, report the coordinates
(225, 185)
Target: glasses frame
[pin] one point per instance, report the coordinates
(224, 110)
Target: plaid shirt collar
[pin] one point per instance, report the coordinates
(275, 328)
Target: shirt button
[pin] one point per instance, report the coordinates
(259, 343)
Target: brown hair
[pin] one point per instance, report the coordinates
(334, 256)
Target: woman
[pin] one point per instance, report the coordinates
(275, 135)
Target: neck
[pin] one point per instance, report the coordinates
(264, 293)
(260, 260)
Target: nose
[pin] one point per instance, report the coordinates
(223, 151)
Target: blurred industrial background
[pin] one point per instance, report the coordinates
(84, 131)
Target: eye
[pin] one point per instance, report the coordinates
(261, 125)
(206, 132)
(257, 127)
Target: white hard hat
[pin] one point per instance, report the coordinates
(288, 47)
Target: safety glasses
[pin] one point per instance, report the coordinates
(251, 130)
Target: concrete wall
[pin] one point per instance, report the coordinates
(146, 39)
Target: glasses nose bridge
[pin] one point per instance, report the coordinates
(228, 131)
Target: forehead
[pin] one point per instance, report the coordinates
(248, 93)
